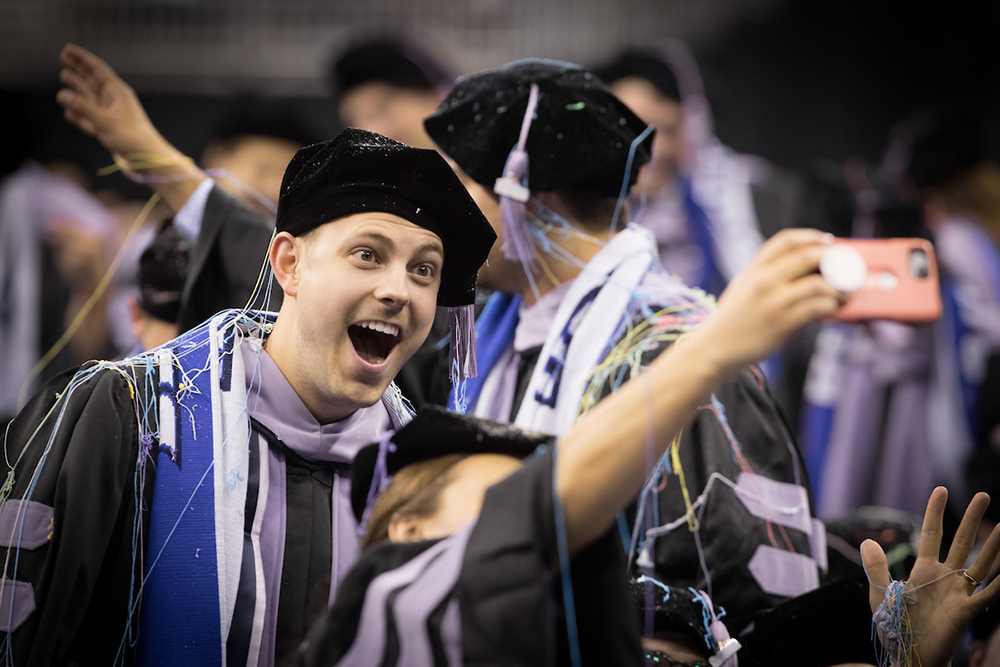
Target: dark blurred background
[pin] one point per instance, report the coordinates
(803, 83)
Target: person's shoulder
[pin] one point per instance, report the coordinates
(663, 309)
(128, 375)
(79, 380)
(93, 390)
(660, 288)
(81, 420)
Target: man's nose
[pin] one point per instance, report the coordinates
(394, 286)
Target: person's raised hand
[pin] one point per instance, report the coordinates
(97, 101)
(778, 292)
(101, 104)
(944, 600)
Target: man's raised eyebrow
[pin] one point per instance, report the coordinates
(377, 237)
(431, 246)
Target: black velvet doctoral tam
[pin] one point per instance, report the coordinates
(579, 138)
(437, 432)
(361, 171)
(674, 610)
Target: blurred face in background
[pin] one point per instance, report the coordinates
(394, 111)
(150, 331)
(257, 162)
(664, 114)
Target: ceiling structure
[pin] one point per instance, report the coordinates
(283, 46)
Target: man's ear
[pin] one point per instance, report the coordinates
(136, 316)
(286, 255)
(409, 529)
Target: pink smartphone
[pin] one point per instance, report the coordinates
(888, 279)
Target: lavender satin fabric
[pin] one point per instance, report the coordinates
(273, 403)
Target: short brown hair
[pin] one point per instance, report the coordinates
(593, 211)
(413, 493)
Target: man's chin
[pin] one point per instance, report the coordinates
(366, 393)
(367, 387)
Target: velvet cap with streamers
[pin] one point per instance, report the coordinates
(579, 138)
(436, 432)
(360, 171)
(674, 610)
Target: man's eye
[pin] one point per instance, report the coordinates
(425, 271)
(365, 255)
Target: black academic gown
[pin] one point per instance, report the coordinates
(509, 598)
(86, 492)
(82, 574)
(730, 535)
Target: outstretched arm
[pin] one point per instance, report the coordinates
(97, 101)
(602, 461)
(944, 601)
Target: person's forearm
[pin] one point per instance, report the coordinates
(177, 180)
(602, 462)
(96, 100)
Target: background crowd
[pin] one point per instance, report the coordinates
(859, 121)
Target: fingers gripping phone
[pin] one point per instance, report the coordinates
(887, 279)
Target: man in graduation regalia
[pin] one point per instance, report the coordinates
(583, 303)
(192, 505)
(228, 235)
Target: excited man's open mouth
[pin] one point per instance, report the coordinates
(374, 340)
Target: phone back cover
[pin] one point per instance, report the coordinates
(912, 300)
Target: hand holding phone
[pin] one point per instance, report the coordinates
(888, 279)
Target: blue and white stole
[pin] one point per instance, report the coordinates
(196, 536)
(597, 302)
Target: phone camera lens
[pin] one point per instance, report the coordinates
(918, 264)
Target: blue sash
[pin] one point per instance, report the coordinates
(711, 279)
(180, 603)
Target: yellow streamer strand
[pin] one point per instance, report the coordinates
(675, 460)
(137, 161)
